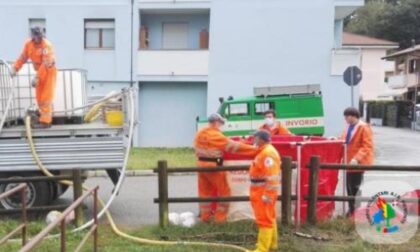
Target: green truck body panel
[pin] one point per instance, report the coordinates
(302, 114)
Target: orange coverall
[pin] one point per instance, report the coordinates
(43, 60)
(278, 130)
(360, 146)
(265, 181)
(265, 185)
(209, 145)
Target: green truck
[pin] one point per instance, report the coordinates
(301, 112)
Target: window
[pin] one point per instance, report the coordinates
(175, 36)
(37, 22)
(261, 107)
(99, 34)
(238, 109)
(413, 66)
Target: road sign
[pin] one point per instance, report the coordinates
(352, 76)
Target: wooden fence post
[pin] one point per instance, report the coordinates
(163, 193)
(286, 190)
(77, 192)
(313, 188)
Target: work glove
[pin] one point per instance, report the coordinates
(354, 162)
(34, 82)
(13, 72)
(266, 199)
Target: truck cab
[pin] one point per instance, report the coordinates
(301, 112)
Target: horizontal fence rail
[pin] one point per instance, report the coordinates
(23, 226)
(163, 199)
(369, 167)
(213, 199)
(61, 220)
(286, 198)
(205, 169)
(35, 179)
(315, 166)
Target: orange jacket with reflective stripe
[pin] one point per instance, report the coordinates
(360, 146)
(41, 55)
(265, 173)
(279, 129)
(210, 142)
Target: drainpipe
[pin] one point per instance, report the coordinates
(132, 44)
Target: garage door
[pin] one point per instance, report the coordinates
(167, 112)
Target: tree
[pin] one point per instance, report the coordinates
(393, 20)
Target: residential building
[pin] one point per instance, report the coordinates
(185, 54)
(374, 68)
(405, 78)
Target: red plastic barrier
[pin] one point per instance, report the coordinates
(284, 144)
(287, 139)
(327, 179)
(413, 208)
(329, 151)
(317, 138)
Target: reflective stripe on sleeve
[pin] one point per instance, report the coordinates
(210, 153)
(232, 146)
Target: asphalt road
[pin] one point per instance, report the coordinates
(134, 206)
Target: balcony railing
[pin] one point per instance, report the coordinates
(402, 81)
(173, 62)
(343, 8)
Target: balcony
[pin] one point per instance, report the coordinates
(173, 43)
(402, 81)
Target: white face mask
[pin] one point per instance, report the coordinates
(269, 121)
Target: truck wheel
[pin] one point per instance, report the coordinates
(64, 188)
(37, 194)
(57, 190)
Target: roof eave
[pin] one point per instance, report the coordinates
(370, 46)
(396, 55)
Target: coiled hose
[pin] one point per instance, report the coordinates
(114, 227)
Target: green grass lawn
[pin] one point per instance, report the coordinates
(147, 158)
(340, 236)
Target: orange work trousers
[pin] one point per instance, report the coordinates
(265, 213)
(213, 184)
(45, 91)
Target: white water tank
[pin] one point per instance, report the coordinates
(70, 92)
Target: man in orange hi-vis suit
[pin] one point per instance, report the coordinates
(359, 139)
(40, 51)
(209, 145)
(265, 184)
(275, 128)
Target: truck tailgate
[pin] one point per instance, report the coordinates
(64, 147)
